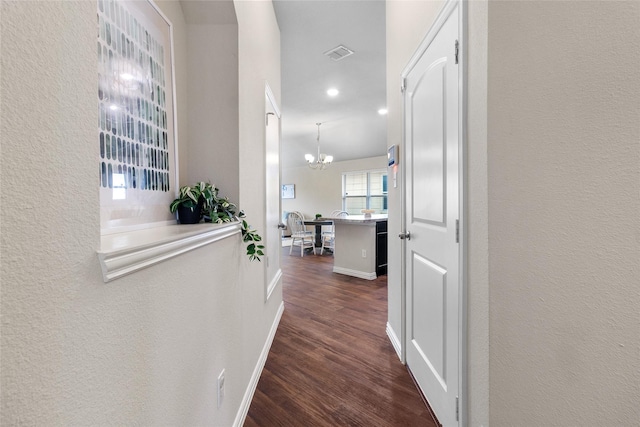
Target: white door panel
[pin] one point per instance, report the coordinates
(429, 290)
(427, 111)
(431, 212)
(272, 239)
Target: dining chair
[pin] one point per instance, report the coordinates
(329, 236)
(303, 219)
(299, 235)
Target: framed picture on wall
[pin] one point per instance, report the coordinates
(289, 191)
(136, 129)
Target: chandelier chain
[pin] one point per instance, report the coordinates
(323, 160)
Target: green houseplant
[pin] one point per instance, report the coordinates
(254, 249)
(189, 203)
(201, 200)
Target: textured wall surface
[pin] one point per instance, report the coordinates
(49, 267)
(564, 185)
(213, 106)
(145, 349)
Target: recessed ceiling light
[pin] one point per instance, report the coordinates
(333, 92)
(382, 111)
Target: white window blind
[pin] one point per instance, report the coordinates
(364, 190)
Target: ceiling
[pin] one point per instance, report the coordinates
(351, 126)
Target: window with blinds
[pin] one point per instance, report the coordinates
(364, 190)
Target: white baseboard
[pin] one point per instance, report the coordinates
(274, 282)
(355, 273)
(394, 341)
(257, 371)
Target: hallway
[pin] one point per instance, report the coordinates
(331, 362)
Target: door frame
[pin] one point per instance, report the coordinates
(272, 283)
(437, 24)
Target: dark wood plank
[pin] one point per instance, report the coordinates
(331, 362)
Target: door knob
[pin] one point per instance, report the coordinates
(281, 226)
(405, 235)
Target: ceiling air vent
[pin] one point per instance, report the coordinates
(338, 53)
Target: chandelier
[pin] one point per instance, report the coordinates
(322, 161)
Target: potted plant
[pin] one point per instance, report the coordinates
(201, 200)
(189, 203)
(217, 209)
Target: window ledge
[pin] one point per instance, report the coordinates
(125, 253)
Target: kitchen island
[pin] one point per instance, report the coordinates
(360, 246)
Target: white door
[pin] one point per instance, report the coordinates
(431, 215)
(272, 239)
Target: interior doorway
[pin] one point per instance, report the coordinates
(432, 215)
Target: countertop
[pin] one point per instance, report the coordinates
(359, 219)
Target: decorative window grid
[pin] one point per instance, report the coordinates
(364, 190)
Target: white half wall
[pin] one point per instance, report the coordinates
(145, 349)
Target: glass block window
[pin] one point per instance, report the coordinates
(364, 190)
(135, 105)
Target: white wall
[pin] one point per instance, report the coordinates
(258, 62)
(564, 230)
(173, 11)
(476, 211)
(321, 191)
(145, 349)
(553, 188)
(213, 105)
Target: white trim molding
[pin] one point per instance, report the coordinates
(257, 372)
(125, 253)
(274, 282)
(395, 341)
(355, 273)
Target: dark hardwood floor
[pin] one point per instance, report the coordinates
(331, 362)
